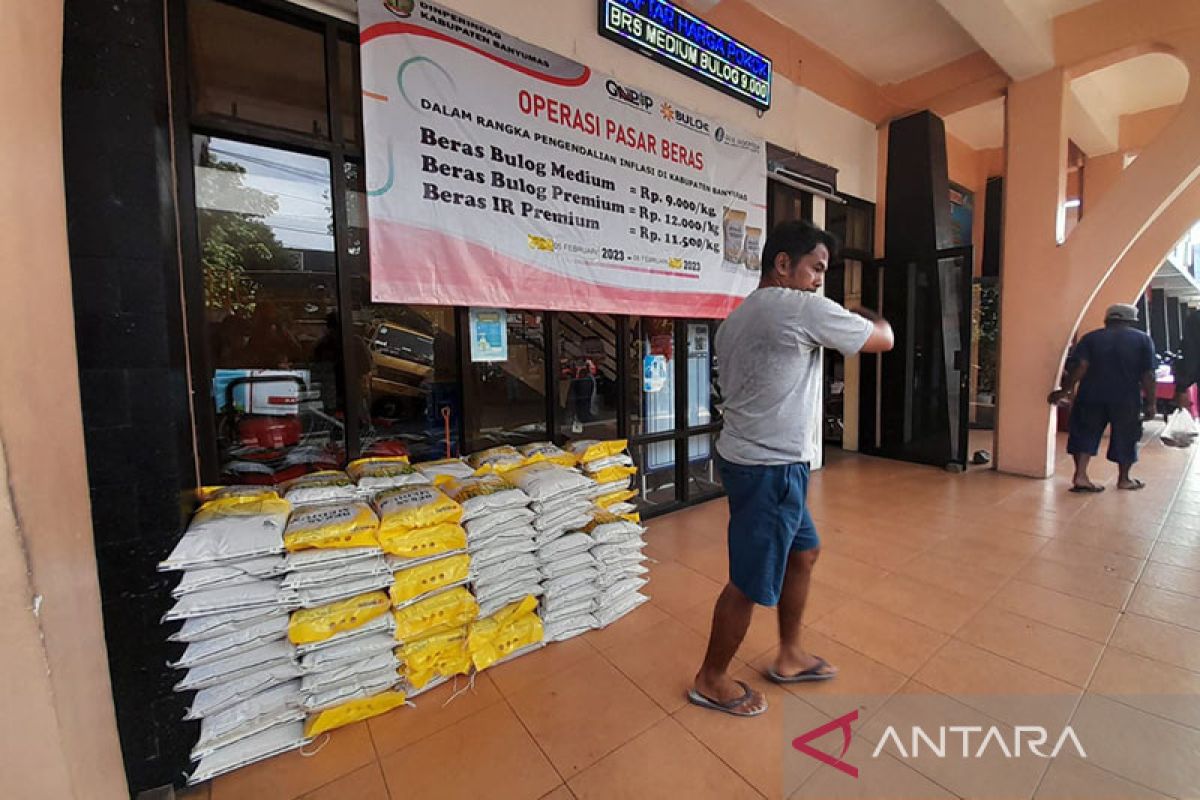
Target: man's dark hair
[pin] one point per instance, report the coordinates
(796, 238)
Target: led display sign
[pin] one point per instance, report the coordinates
(675, 38)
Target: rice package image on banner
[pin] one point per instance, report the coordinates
(598, 206)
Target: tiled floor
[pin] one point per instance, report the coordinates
(945, 599)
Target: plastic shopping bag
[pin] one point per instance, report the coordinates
(1181, 429)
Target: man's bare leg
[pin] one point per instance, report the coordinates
(731, 619)
(793, 659)
(1124, 481)
(1081, 470)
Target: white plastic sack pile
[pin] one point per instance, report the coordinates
(570, 588)
(617, 549)
(500, 539)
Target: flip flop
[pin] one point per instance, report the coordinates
(809, 675)
(728, 707)
(1086, 489)
(1137, 484)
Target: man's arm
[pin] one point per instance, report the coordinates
(881, 339)
(1073, 378)
(1149, 394)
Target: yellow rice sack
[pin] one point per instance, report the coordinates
(444, 610)
(634, 517)
(497, 459)
(610, 500)
(310, 625)
(446, 537)
(404, 508)
(333, 525)
(353, 711)
(384, 472)
(241, 505)
(416, 581)
(508, 630)
(207, 493)
(586, 450)
(612, 474)
(546, 451)
(440, 654)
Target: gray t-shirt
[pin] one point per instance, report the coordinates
(770, 372)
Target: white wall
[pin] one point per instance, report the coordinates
(799, 120)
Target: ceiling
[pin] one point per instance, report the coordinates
(888, 41)
(981, 127)
(1139, 84)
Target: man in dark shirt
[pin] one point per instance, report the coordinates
(1114, 373)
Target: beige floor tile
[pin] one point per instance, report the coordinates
(1180, 609)
(1002, 689)
(1153, 686)
(881, 778)
(434, 711)
(954, 576)
(1186, 535)
(1071, 778)
(847, 575)
(981, 554)
(861, 683)
(561, 793)
(363, 784)
(675, 588)
(758, 749)
(665, 761)
(1086, 582)
(487, 755)
(662, 661)
(1176, 555)
(991, 775)
(1171, 578)
(1091, 620)
(871, 550)
(533, 668)
(1058, 653)
(896, 642)
(926, 603)
(1138, 746)
(292, 774)
(1074, 555)
(583, 713)
(1127, 544)
(626, 628)
(1159, 640)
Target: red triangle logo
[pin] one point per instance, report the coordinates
(843, 723)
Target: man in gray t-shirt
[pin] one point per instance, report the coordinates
(769, 350)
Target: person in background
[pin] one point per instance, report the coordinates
(1114, 374)
(1187, 369)
(769, 350)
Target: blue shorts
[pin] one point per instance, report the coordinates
(768, 519)
(1087, 424)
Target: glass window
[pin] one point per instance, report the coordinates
(270, 294)
(504, 396)
(655, 480)
(350, 92)
(703, 393)
(251, 67)
(652, 360)
(405, 358)
(586, 355)
(703, 480)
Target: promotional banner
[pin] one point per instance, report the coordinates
(502, 175)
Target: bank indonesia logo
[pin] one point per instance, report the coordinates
(719, 134)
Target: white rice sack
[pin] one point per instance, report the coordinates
(608, 528)
(618, 460)
(322, 559)
(622, 508)
(267, 629)
(501, 538)
(376, 474)
(491, 572)
(272, 742)
(226, 695)
(234, 529)
(576, 501)
(317, 487)
(451, 468)
(615, 593)
(490, 604)
(565, 546)
(260, 594)
(499, 520)
(342, 653)
(398, 563)
(610, 614)
(619, 551)
(524, 578)
(553, 612)
(358, 672)
(611, 487)
(326, 593)
(502, 551)
(385, 623)
(486, 494)
(264, 710)
(565, 516)
(611, 575)
(563, 629)
(565, 598)
(198, 629)
(544, 481)
(572, 525)
(232, 574)
(559, 586)
(238, 666)
(345, 571)
(363, 685)
(566, 565)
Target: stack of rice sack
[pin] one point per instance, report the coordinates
(500, 538)
(421, 532)
(561, 500)
(234, 609)
(617, 544)
(608, 464)
(511, 631)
